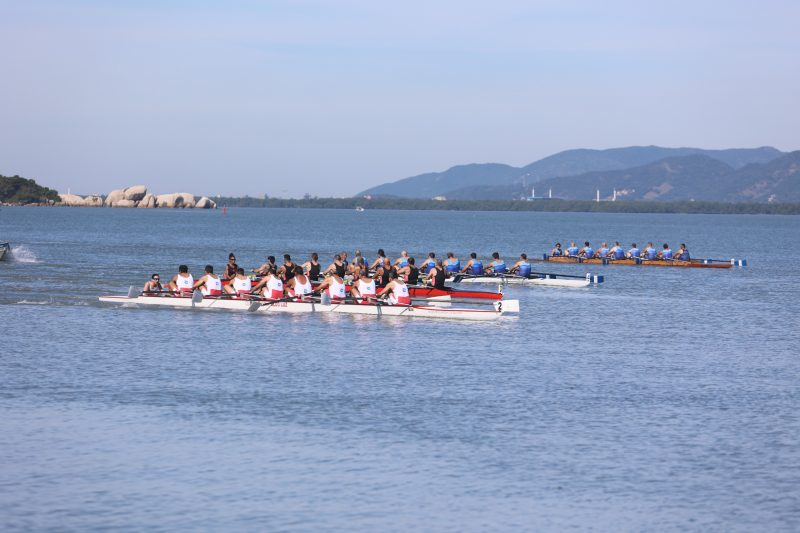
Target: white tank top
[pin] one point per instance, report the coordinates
(366, 289)
(212, 286)
(274, 284)
(302, 288)
(184, 283)
(336, 289)
(399, 294)
(242, 285)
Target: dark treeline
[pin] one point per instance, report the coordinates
(18, 190)
(514, 205)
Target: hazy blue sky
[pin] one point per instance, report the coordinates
(333, 97)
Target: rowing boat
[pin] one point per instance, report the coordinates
(535, 279)
(197, 301)
(693, 263)
(4, 249)
(447, 293)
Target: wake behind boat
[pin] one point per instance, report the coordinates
(5, 248)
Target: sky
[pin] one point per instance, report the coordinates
(329, 98)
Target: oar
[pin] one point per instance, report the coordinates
(256, 305)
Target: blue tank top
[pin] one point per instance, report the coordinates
(650, 253)
(684, 256)
(589, 251)
(524, 270)
(619, 254)
(477, 268)
(634, 252)
(403, 262)
(573, 250)
(429, 263)
(498, 267)
(453, 265)
(667, 254)
(558, 252)
(603, 252)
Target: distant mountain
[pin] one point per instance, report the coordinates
(776, 181)
(497, 181)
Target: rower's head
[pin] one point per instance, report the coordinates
(450, 255)
(572, 243)
(381, 253)
(387, 263)
(271, 259)
(432, 255)
(411, 261)
(231, 258)
(495, 255)
(605, 244)
(473, 255)
(558, 245)
(337, 257)
(209, 269)
(586, 243)
(633, 245)
(393, 275)
(523, 256)
(358, 253)
(439, 263)
(155, 277)
(287, 258)
(616, 243)
(683, 245)
(650, 244)
(240, 271)
(183, 269)
(365, 273)
(344, 255)
(298, 269)
(314, 256)
(404, 254)
(666, 246)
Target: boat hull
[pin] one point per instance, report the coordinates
(4, 249)
(694, 263)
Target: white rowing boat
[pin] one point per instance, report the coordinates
(544, 280)
(289, 306)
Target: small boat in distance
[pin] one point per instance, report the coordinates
(359, 208)
(4, 249)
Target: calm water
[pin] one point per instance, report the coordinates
(665, 399)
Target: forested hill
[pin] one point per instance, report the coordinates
(17, 190)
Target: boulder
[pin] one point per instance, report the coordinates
(125, 203)
(149, 201)
(93, 201)
(205, 203)
(115, 196)
(72, 200)
(135, 193)
(165, 200)
(186, 199)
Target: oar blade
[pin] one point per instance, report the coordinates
(132, 292)
(197, 297)
(253, 307)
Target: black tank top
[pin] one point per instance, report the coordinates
(313, 272)
(288, 272)
(438, 279)
(413, 276)
(340, 270)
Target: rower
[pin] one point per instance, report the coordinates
(429, 263)
(616, 251)
(384, 271)
(573, 250)
(474, 266)
(521, 268)
(334, 286)
(312, 267)
(634, 252)
(230, 267)
(665, 254)
(397, 291)
(650, 252)
(359, 264)
(497, 266)
(587, 251)
(209, 284)
(337, 267)
(269, 266)
(412, 277)
(363, 288)
(183, 281)
(153, 284)
(683, 253)
(437, 275)
(452, 265)
(557, 251)
(602, 252)
(286, 271)
(378, 260)
(272, 286)
(299, 285)
(240, 284)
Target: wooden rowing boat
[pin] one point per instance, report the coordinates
(197, 301)
(693, 263)
(535, 279)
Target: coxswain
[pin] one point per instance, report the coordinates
(650, 252)
(209, 284)
(665, 254)
(437, 275)
(269, 266)
(230, 267)
(683, 253)
(602, 252)
(573, 250)
(338, 267)
(312, 267)
(497, 266)
(363, 288)
(153, 284)
(299, 285)
(286, 271)
(397, 291)
(378, 260)
(240, 284)
(272, 286)
(474, 266)
(616, 251)
(634, 252)
(429, 263)
(587, 251)
(557, 251)
(183, 281)
(521, 268)
(402, 261)
(452, 265)
(334, 286)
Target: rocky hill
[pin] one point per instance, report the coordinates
(18, 190)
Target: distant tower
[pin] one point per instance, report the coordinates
(598, 195)
(533, 192)
(614, 199)
(550, 194)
